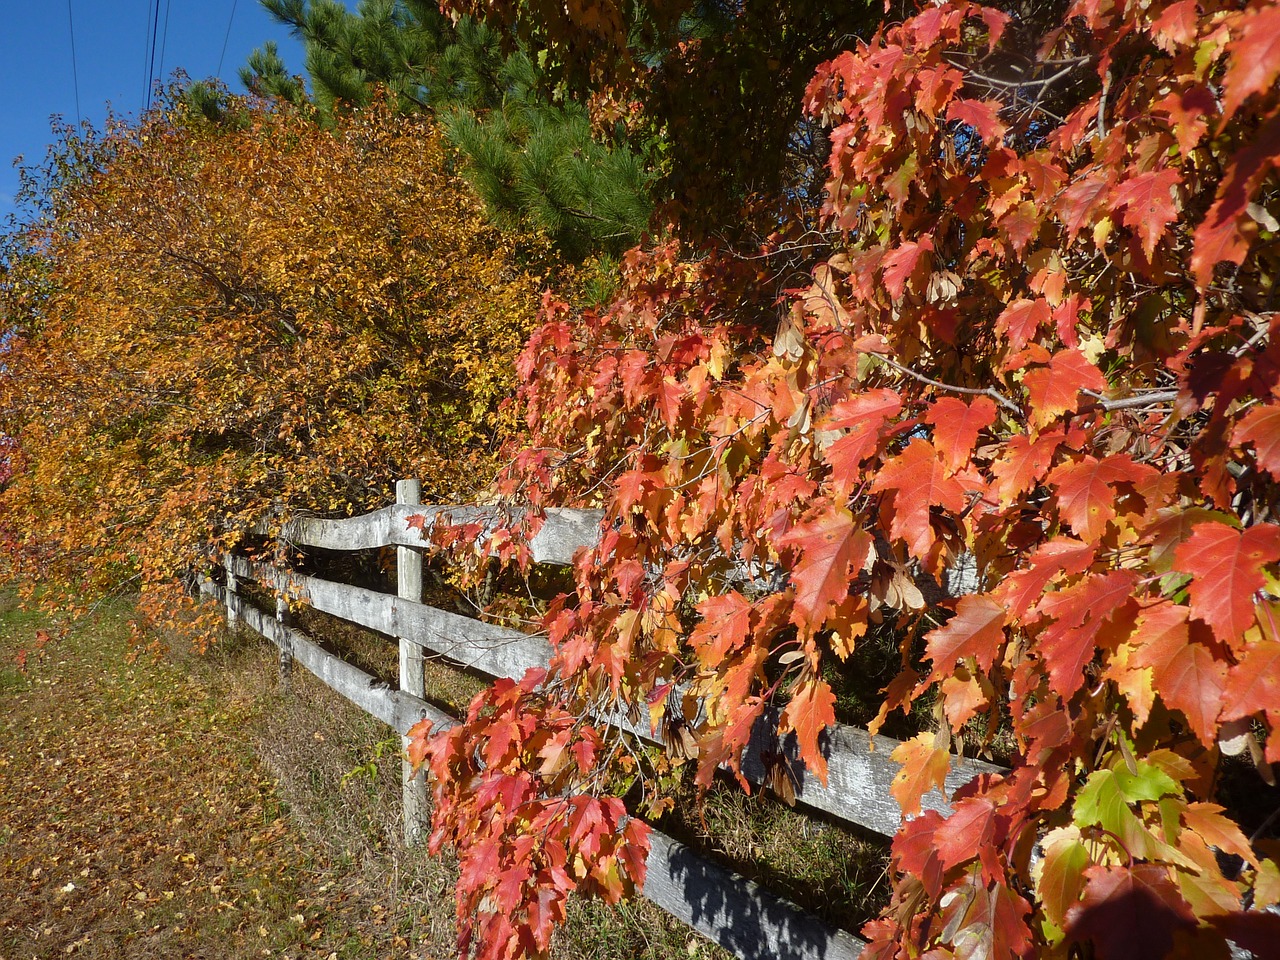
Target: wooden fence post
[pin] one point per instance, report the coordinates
(286, 655)
(233, 600)
(409, 587)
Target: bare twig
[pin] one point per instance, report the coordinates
(991, 392)
(1146, 399)
(1017, 84)
(1102, 105)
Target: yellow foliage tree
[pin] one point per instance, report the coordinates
(216, 323)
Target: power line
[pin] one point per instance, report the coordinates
(151, 70)
(222, 56)
(75, 74)
(153, 10)
(146, 52)
(164, 42)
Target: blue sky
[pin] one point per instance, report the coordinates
(111, 40)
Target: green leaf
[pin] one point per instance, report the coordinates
(1102, 803)
(1148, 783)
(1061, 879)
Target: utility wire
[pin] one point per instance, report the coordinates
(226, 38)
(155, 32)
(75, 74)
(164, 41)
(146, 52)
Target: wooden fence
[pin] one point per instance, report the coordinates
(721, 905)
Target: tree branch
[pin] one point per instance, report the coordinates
(991, 392)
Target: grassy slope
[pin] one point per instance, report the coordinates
(186, 808)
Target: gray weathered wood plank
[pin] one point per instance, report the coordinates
(497, 651)
(395, 708)
(562, 534)
(735, 912)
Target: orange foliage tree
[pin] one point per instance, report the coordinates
(212, 324)
(1026, 417)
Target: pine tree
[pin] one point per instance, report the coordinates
(720, 85)
(532, 158)
(265, 76)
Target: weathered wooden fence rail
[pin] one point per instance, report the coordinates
(721, 905)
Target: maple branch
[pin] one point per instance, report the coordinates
(1150, 398)
(991, 392)
(1102, 105)
(1016, 84)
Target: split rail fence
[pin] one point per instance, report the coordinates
(723, 906)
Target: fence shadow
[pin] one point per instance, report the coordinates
(737, 913)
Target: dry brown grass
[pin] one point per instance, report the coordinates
(134, 820)
(188, 808)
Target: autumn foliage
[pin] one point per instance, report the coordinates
(1042, 348)
(1020, 416)
(213, 325)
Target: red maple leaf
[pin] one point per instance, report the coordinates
(1207, 820)
(479, 865)
(977, 630)
(636, 372)
(956, 426)
(899, 264)
(1188, 110)
(1079, 612)
(1055, 389)
(1022, 319)
(831, 551)
(982, 115)
(1177, 24)
(1261, 427)
(1097, 596)
(1185, 674)
(1021, 225)
(1148, 203)
(670, 395)
(914, 851)
(1226, 566)
(864, 417)
(1024, 463)
(1129, 913)
(1254, 62)
(1254, 683)
(924, 767)
(586, 816)
(1086, 491)
(1020, 590)
(1080, 200)
(964, 834)
(917, 480)
(725, 625)
(871, 408)
(633, 487)
(546, 910)
(810, 711)
(1219, 238)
